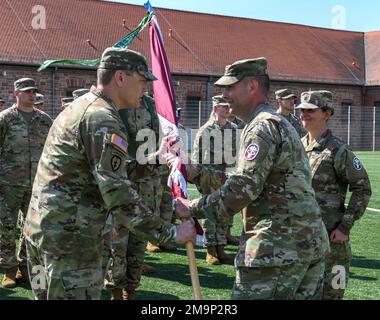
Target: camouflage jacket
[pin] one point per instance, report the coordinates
(296, 123)
(282, 220)
(212, 145)
(21, 145)
(240, 123)
(151, 179)
(335, 168)
(82, 175)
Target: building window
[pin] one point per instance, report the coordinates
(190, 118)
(345, 109)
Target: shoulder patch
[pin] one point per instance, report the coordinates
(119, 142)
(115, 163)
(357, 164)
(251, 152)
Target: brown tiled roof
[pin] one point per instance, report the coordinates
(372, 47)
(200, 44)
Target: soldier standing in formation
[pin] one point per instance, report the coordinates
(40, 102)
(285, 99)
(2, 103)
(282, 248)
(335, 169)
(213, 143)
(128, 250)
(23, 131)
(82, 177)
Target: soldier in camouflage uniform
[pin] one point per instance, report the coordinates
(284, 241)
(65, 102)
(215, 141)
(285, 99)
(82, 176)
(240, 126)
(236, 120)
(2, 103)
(80, 92)
(335, 169)
(128, 250)
(40, 102)
(23, 131)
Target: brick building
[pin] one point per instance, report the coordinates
(198, 47)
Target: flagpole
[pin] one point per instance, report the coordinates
(164, 97)
(193, 271)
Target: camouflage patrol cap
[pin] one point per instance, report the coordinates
(24, 84)
(284, 94)
(316, 99)
(67, 100)
(219, 100)
(40, 99)
(80, 92)
(243, 68)
(125, 59)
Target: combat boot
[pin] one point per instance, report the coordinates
(212, 257)
(22, 274)
(150, 247)
(230, 238)
(223, 257)
(128, 294)
(146, 269)
(9, 279)
(117, 294)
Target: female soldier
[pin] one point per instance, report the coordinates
(334, 168)
(215, 148)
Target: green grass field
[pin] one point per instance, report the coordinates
(172, 280)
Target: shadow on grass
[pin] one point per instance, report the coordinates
(9, 294)
(362, 278)
(362, 262)
(151, 295)
(200, 253)
(179, 273)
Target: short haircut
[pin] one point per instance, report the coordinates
(105, 75)
(263, 81)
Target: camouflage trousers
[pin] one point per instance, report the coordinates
(299, 281)
(125, 256)
(75, 276)
(337, 271)
(14, 202)
(215, 232)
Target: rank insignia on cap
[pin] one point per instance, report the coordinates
(357, 164)
(251, 152)
(119, 142)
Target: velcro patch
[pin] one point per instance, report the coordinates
(115, 163)
(119, 142)
(357, 164)
(251, 152)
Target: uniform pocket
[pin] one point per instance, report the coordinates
(82, 284)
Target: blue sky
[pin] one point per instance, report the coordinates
(345, 14)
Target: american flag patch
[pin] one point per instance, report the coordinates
(119, 142)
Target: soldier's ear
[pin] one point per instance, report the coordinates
(119, 77)
(16, 93)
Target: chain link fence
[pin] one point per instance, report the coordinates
(358, 126)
